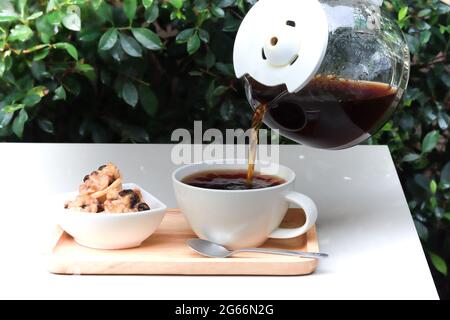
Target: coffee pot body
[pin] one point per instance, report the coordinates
(330, 73)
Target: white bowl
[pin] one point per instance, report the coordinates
(111, 231)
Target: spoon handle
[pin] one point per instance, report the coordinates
(311, 255)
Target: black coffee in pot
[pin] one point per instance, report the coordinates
(330, 112)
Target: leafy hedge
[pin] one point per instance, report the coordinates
(418, 135)
(133, 71)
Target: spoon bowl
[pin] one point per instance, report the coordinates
(208, 249)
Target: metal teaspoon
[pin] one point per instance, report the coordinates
(213, 250)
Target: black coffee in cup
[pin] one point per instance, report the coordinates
(232, 180)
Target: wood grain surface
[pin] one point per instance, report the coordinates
(166, 253)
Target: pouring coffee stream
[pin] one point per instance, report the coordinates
(257, 122)
(254, 140)
(325, 73)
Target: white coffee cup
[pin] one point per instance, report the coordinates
(243, 218)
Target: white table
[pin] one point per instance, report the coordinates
(364, 224)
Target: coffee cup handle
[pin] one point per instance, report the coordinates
(310, 210)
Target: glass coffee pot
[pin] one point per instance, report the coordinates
(330, 73)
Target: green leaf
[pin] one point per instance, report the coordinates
(130, 46)
(422, 230)
(7, 7)
(147, 3)
(130, 93)
(71, 20)
(31, 99)
(149, 101)
(225, 69)
(83, 67)
(430, 142)
(204, 35)
(411, 157)
(87, 70)
(177, 3)
(20, 33)
(35, 15)
(218, 12)
(439, 263)
(40, 90)
(443, 120)
(117, 52)
(45, 29)
(152, 13)
(433, 186)
(38, 70)
(447, 216)
(193, 44)
(7, 63)
(21, 5)
(72, 85)
(424, 12)
(108, 40)
(71, 50)
(74, 9)
(196, 73)
(130, 6)
(107, 12)
(422, 181)
(147, 38)
(231, 24)
(445, 173)
(184, 35)
(178, 14)
(41, 54)
(96, 4)
(402, 13)
(5, 119)
(220, 90)
(88, 35)
(13, 107)
(225, 3)
(8, 18)
(54, 18)
(446, 79)
(45, 125)
(227, 110)
(52, 5)
(60, 94)
(425, 37)
(19, 123)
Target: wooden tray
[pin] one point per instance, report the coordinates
(166, 253)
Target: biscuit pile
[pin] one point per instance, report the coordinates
(101, 191)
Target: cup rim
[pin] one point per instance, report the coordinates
(232, 162)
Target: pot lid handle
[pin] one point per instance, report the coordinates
(282, 42)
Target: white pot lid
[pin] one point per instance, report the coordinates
(282, 42)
